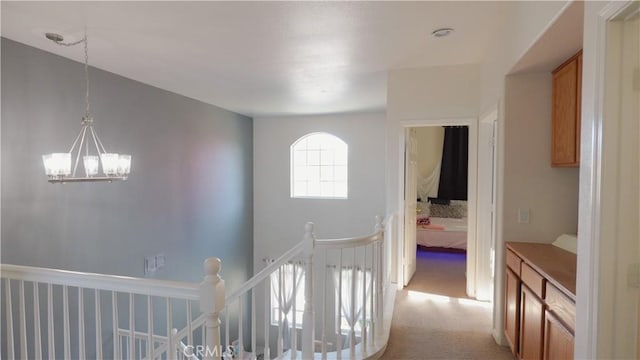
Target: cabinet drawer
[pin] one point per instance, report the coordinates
(532, 279)
(563, 307)
(513, 262)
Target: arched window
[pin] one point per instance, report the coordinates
(319, 167)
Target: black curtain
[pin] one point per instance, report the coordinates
(453, 171)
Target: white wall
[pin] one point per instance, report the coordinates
(527, 22)
(550, 194)
(279, 219)
(426, 94)
(188, 196)
(423, 94)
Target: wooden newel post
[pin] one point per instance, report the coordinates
(211, 304)
(308, 317)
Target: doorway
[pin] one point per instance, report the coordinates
(436, 186)
(407, 244)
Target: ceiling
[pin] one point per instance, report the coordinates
(561, 40)
(263, 58)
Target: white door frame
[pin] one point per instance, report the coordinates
(596, 304)
(487, 201)
(471, 194)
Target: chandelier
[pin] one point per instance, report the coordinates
(58, 166)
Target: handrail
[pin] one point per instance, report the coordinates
(349, 242)
(145, 286)
(264, 273)
(296, 250)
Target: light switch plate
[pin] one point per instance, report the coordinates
(149, 264)
(161, 260)
(523, 216)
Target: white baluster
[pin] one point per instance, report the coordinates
(203, 340)
(23, 321)
(66, 310)
(352, 332)
(150, 347)
(189, 325)
(116, 337)
(267, 317)
(132, 327)
(254, 348)
(339, 312)
(280, 312)
(226, 327)
(363, 325)
(308, 318)
(327, 273)
(11, 353)
(372, 292)
(98, 325)
(171, 351)
(51, 347)
(240, 328)
(36, 321)
(379, 298)
(292, 330)
(81, 342)
(212, 295)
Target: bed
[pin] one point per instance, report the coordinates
(443, 233)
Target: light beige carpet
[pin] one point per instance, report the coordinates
(433, 319)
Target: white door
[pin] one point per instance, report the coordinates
(410, 204)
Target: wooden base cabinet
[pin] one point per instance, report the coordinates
(531, 325)
(512, 310)
(558, 340)
(539, 309)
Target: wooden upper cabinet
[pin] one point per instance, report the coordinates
(565, 129)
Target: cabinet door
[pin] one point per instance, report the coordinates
(565, 131)
(531, 324)
(558, 340)
(512, 309)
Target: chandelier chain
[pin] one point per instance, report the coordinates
(86, 74)
(86, 67)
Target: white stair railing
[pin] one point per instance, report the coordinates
(87, 315)
(361, 257)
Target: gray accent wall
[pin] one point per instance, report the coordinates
(189, 195)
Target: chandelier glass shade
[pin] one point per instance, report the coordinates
(63, 167)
